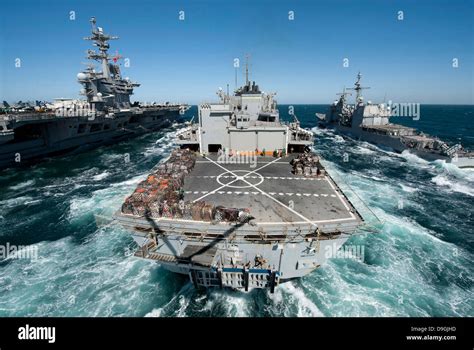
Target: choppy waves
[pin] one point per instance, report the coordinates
(418, 263)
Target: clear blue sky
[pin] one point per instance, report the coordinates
(408, 61)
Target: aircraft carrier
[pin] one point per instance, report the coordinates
(29, 133)
(371, 122)
(242, 203)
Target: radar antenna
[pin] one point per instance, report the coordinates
(101, 40)
(247, 69)
(358, 88)
(343, 94)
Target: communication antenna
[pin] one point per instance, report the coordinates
(236, 78)
(246, 69)
(358, 88)
(343, 94)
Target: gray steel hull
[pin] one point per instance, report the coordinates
(398, 146)
(293, 231)
(285, 248)
(62, 136)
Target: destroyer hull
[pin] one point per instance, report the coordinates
(395, 143)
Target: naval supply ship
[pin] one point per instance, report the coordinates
(242, 203)
(107, 115)
(371, 122)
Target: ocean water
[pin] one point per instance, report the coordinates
(418, 263)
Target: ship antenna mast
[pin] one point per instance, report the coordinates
(101, 40)
(343, 94)
(358, 88)
(247, 69)
(236, 78)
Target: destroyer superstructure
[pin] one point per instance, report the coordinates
(243, 203)
(106, 115)
(371, 122)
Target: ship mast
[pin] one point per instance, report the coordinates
(101, 41)
(343, 95)
(246, 69)
(358, 88)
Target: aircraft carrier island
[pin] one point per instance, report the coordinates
(243, 202)
(31, 132)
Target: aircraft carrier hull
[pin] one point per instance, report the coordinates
(36, 137)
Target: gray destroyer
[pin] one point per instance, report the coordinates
(107, 115)
(242, 203)
(371, 122)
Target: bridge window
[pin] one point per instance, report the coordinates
(213, 148)
(96, 127)
(82, 128)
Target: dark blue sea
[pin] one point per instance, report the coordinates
(417, 262)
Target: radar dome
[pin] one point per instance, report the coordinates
(81, 76)
(99, 94)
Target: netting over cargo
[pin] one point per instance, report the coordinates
(307, 164)
(161, 195)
